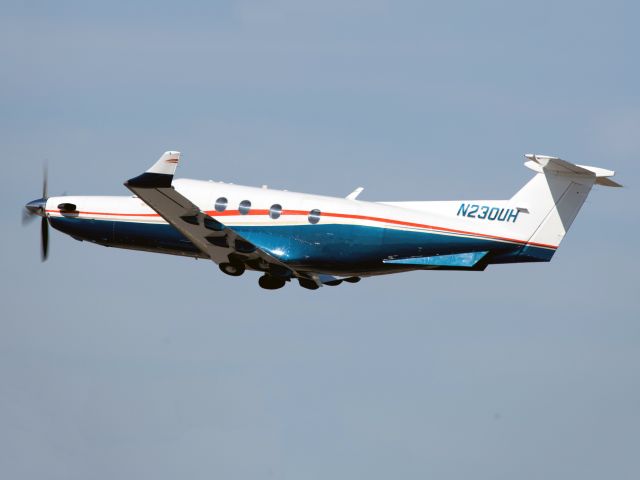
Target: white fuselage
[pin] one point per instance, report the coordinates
(349, 235)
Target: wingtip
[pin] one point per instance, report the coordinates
(166, 164)
(160, 174)
(607, 182)
(150, 180)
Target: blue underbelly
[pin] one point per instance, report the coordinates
(145, 236)
(300, 245)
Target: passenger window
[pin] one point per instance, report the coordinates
(275, 211)
(221, 204)
(245, 207)
(314, 216)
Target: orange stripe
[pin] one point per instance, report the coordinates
(231, 213)
(111, 214)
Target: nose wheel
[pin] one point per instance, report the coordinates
(233, 269)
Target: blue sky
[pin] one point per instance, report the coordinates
(117, 364)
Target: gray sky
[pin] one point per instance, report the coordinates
(116, 364)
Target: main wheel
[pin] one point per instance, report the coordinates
(308, 284)
(233, 269)
(270, 282)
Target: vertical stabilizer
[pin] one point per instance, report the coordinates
(553, 198)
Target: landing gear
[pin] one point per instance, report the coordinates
(269, 282)
(308, 284)
(233, 269)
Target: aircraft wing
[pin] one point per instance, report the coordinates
(217, 241)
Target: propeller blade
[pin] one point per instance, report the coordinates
(45, 181)
(44, 230)
(27, 217)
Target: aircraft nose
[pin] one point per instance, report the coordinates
(37, 207)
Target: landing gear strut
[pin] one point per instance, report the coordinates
(233, 269)
(270, 282)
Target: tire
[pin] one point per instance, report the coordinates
(269, 282)
(233, 269)
(308, 284)
(352, 279)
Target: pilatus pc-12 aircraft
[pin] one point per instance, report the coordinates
(320, 240)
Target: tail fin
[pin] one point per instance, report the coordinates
(552, 199)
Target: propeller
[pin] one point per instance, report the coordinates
(38, 208)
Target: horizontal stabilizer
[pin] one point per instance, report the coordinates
(544, 163)
(464, 260)
(607, 182)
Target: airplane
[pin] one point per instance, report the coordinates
(319, 240)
